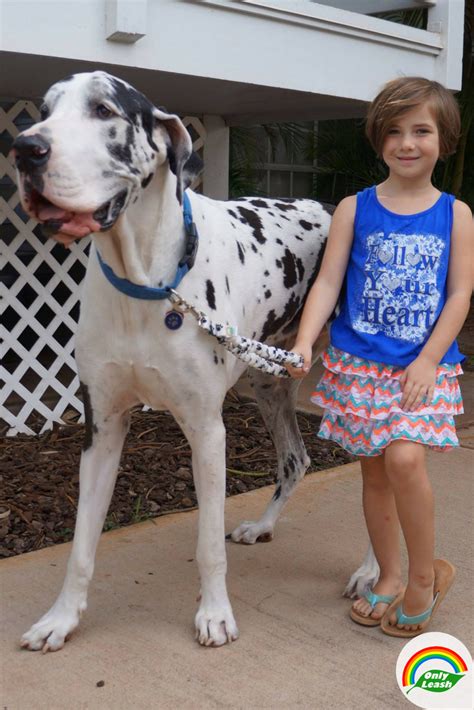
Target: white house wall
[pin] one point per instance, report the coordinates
(370, 6)
(259, 48)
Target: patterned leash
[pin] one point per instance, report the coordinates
(265, 358)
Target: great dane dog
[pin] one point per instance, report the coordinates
(104, 161)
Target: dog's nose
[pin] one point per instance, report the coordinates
(31, 152)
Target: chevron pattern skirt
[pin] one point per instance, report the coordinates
(361, 399)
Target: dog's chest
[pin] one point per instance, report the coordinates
(126, 346)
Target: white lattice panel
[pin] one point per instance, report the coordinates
(40, 290)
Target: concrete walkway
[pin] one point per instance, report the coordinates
(298, 648)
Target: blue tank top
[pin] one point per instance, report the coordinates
(396, 280)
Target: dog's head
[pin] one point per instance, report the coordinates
(98, 143)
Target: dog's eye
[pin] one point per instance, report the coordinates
(44, 112)
(103, 112)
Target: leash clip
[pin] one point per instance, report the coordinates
(183, 306)
(174, 297)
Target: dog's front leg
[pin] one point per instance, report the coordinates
(215, 624)
(365, 577)
(98, 472)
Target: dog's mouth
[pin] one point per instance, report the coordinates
(66, 225)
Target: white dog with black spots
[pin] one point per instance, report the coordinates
(104, 161)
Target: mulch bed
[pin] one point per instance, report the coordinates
(40, 479)
(39, 476)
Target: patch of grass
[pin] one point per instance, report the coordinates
(138, 515)
(64, 531)
(111, 523)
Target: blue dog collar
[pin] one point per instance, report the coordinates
(149, 293)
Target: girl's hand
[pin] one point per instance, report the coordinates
(306, 352)
(418, 384)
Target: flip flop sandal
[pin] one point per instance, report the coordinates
(444, 577)
(372, 599)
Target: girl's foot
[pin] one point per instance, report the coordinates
(387, 586)
(404, 618)
(417, 599)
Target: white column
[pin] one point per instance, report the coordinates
(446, 18)
(215, 181)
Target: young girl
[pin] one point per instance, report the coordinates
(403, 253)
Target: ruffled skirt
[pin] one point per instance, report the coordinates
(361, 402)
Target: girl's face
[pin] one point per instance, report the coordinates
(411, 146)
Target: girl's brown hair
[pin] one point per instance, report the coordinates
(400, 96)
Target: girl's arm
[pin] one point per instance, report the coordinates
(418, 380)
(324, 293)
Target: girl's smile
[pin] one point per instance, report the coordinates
(411, 146)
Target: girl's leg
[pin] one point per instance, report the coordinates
(405, 466)
(384, 531)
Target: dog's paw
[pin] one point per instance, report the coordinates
(248, 533)
(215, 627)
(361, 582)
(52, 631)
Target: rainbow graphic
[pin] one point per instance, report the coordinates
(431, 653)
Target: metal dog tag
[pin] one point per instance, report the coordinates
(174, 320)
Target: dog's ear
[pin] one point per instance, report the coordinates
(179, 149)
(192, 169)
